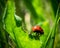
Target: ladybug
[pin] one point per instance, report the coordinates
(37, 29)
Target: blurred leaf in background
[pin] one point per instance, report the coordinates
(3, 32)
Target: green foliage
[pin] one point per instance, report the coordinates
(3, 33)
(13, 25)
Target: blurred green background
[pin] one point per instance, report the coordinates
(17, 17)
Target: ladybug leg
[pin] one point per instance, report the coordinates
(37, 36)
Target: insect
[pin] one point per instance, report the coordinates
(37, 29)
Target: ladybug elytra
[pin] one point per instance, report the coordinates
(37, 29)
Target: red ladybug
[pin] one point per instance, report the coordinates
(37, 29)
